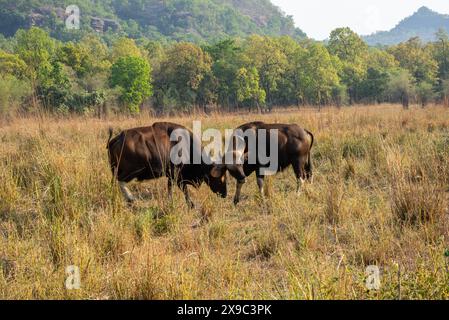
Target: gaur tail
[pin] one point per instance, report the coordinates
(309, 165)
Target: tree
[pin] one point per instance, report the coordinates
(88, 57)
(424, 93)
(352, 52)
(266, 55)
(133, 76)
(35, 48)
(372, 87)
(125, 47)
(227, 61)
(76, 57)
(441, 54)
(54, 88)
(155, 53)
(182, 72)
(12, 64)
(401, 87)
(248, 90)
(318, 75)
(7, 44)
(289, 87)
(381, 60)
(417, 59)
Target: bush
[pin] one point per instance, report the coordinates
(401, 88)
(12, 93)
(424, 93)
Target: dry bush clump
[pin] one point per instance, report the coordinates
(380, 197)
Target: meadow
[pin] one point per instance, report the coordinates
(380, 197)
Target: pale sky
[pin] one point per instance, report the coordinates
(318, 18)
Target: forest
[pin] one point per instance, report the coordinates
(92, 76)
(188, 20)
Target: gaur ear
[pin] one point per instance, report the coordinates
(218, 171)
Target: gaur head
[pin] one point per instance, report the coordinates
(217, 180)
(217, 176)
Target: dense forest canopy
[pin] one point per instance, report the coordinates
(191, 20)
(260, 72)
(85, 71)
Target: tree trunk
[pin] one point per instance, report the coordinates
(405, 101)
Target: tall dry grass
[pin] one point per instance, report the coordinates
(380, 197)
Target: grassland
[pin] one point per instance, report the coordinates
(380, 197)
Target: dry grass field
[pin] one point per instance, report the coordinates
(380, 197)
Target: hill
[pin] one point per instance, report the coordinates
(424, 23)
(193, 20)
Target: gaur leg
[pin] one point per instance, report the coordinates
(238, 192)
(309, 169)
(185, 190)
(170, 188)
(127, 194)
(298, 167)
(260, 184)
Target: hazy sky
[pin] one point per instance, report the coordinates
(319, 17)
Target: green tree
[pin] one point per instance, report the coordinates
(76, 57)
(424, 93)
(373, 86)
(289, 85)
(155, 53)
(440, 52)
(133, 76)
(271, 62)
(12, 64)
(248, 90)
(182, 72)
(319, 76)
(88, 57)
(35, 48)
(227, 60)
(352, 52)
(401, 87)
(125, 47)
(381, 60)
(417, 59)
(54, 88)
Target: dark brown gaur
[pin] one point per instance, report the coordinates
(294, 149)
(144, 154)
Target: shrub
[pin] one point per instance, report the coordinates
(12, 94)
(133, 75)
